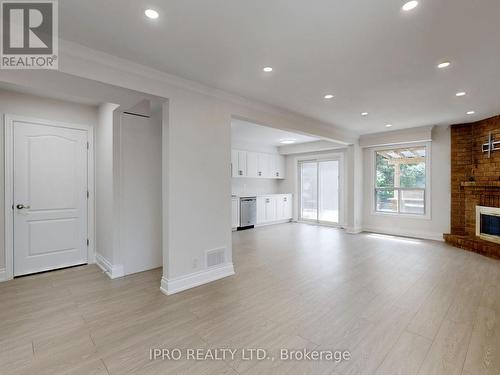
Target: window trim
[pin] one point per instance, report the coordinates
(428, 174)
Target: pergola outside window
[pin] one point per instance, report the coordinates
(400, 181)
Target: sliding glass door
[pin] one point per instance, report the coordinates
(309, 191)
(319, 191)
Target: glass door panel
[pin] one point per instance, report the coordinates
(328, 191)
(309, 191)
(319, 191)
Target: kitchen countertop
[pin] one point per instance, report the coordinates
(258, 195)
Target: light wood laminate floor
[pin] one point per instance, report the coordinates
(400, 306)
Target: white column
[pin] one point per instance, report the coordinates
(354, 194)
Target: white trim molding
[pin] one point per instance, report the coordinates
(3, 275)
(433, 236)
(179, 284)
(353, 230)
(113, 271)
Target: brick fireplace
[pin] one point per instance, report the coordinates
(475, 181)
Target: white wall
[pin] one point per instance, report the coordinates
(128, 191)
(439, 222)
(140, 243)
(40, 108)
(197, 156)
(199, 183)
(104, 182)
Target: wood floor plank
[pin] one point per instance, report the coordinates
(406, 356)
(400, 306)
(448, 351)
(483, 356)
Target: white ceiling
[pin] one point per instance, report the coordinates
(247, 132)
(369, 53)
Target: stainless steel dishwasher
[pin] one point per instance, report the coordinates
(248, 212)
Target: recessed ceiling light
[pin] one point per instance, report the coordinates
(287, 141)
(410, 5)
(471, 112)
(444, 64)
(364, 113)
(388, 125)
(268, 69)
(461, 93)
(151, 13)
(328, 96)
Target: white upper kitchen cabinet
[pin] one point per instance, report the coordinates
(252, 164)
(281, 166)
(257, 164)
(234, 163)
(239, 163)
(278, 166)
(264, 165)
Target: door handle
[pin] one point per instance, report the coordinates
(22, 206)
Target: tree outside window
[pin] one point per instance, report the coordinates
(400, 180)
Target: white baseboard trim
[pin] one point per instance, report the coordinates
(353, 230)
(273, 223)
(3, 274)
(406, 233)
(179, 284)
(113, 271)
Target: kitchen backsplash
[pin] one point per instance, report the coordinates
(253, 186)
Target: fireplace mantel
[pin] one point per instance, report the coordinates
(480, 185)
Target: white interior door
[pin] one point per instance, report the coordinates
(50, 197)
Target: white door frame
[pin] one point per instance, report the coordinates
(9, 186)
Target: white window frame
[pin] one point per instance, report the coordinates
(428, 171)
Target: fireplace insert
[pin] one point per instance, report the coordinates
(488, 223)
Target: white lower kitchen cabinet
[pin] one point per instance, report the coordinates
(235, 213)
(274, 208)
(283, 207)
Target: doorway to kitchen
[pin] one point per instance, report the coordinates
(319, 191)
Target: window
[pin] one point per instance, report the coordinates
(400, 180)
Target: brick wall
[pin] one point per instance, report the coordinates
(469, 163)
